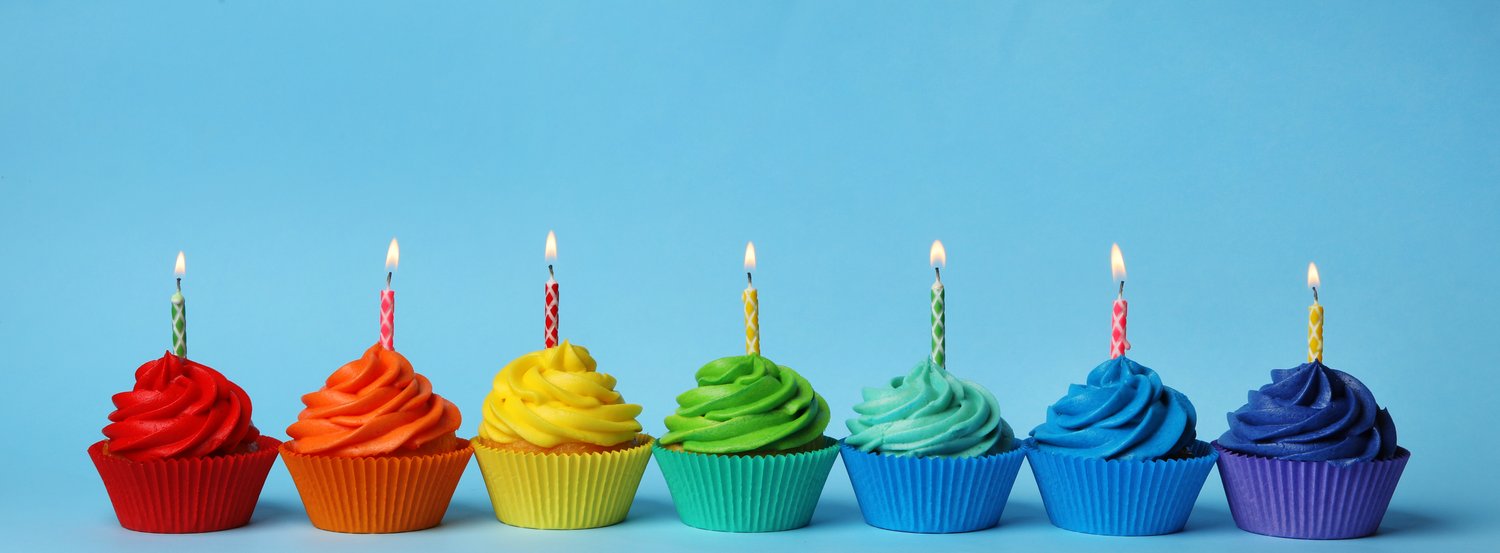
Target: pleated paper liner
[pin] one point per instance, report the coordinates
(1120, 497)
(746, 493)
(567, 491)
(180, 496)
(932, 495)
(1308, 499)
(380, 494)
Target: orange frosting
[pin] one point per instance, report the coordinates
(374, 405)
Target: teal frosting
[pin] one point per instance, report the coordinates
(929, 413)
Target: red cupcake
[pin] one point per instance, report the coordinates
(180, 453)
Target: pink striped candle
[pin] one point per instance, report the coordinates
(550, 336)
(1117, 342)
(388, 299)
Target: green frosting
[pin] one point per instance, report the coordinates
(746, 403)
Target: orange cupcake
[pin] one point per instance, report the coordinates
(375, 449)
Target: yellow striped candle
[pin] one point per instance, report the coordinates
(1314, 318)
(751, 297)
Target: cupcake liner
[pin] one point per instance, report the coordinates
(562, 491)
(1120, 497)
(746, 493)
(932, 495)
(1308, 499)
(382, 494)
(181, 496)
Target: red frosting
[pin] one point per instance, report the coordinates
(179, 409)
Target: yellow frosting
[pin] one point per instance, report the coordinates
(554, 396)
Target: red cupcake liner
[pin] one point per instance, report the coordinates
(183, 496)
(380, 494)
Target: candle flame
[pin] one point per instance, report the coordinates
(181, 266)
(938, 255)
(749, 256)
(392, 256)
(1312, 276)
(551, 254)
(1116, 263)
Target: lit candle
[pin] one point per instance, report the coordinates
(388, 299)
(938, 258)
(1314, 318)
(752, 303)
(1117, 342)
(550, 338)
(179, 310)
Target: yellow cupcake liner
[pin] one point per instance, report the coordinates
(568, 491)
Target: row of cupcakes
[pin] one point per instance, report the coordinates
(1310, 455)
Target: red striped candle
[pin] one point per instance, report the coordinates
(550, 336)
(388, 299)
(1117, 342)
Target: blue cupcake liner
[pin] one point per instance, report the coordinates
(932, 495)
(1120, 497)
(1312, 500)
(746, 493)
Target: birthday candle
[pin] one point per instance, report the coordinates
(1117, 342)
(388, 299)
(938, 258)
(179, 310)
(751, 298)
(550, 323)
(1314, 318)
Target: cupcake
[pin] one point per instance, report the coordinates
(1119, 455)
(375, 450)
(745, 450)
(1311, 456)
(930, 453)
(180, 453)
(559, 447)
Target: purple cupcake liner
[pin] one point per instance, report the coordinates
(1120, 497)
(932, 495)
(1313, 500)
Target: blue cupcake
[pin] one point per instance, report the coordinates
(1119, 454)
(930, 453)
(1310, 455)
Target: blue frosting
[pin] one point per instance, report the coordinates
(1122, 412)
(1312, 413)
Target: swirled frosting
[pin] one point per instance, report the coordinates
(1312, 413)
(555, 396)
(374, 405)
(1122, 412)
(179, 409)
(929, 413)
(747, 403)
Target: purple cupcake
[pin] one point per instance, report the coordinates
(1311, 456)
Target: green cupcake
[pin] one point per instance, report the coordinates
(745, 450)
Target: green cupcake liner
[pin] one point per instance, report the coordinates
(746, 493)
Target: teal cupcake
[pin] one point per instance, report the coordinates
(930, 453)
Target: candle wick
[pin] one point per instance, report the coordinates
(939, 272)
(1122, 290)
(179, 285)
(550, 273)
(749, 278)
(388, 281)
(1315, 294)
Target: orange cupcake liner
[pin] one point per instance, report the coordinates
(377, 495)
(182, 496)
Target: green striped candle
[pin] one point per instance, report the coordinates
(938, 258)
(179, 312)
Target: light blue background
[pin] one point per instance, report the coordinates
(282, 145)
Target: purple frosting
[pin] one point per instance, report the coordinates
(1312, 413)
